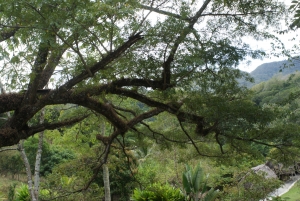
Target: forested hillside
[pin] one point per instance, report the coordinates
(282, 90)
(266, 71)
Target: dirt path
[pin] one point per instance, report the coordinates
(284, 188)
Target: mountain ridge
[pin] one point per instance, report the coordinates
(268, 70)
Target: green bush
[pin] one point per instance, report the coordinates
(11, 162)
(22, 193)
(51, 155)
(158, 192)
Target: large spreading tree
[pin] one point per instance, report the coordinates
(164, 69)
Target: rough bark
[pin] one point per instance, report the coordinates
(27, 104)
(37, 166)
(106, 182)
(120, 71)
(105, 171)
(28, 171)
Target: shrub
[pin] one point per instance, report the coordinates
(158, 192)
(51, 155)
(22, 193)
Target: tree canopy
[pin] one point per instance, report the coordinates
(160, 69)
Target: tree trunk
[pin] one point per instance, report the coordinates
(105, 172)
(34, 187)
(106, 182)
(28, 170)
(38, 158)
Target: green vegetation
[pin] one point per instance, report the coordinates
(22, 193)
(8, 188)
(266, 71)
(113, 98)
(293, 194)
(157, 192)
(194, 183)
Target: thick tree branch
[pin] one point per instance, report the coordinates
(10, 101)
(52, 62)
(146, 115)
(10, 136)
(183, 116)
(105, 109)
(124, 110)
(129, 125)
(37, 70)
(51, 126)
(108, 111)
(103, 63)
(81, 98)
(167, 64)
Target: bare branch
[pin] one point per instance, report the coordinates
(260, 142)
(185, 31)
(8, 149)
(77, 51)
(183, 116)
(98, 167)
(47, 126)
(219, 143)
(159, 134)
(150, 8)
(103, 63)
(238, 14)
(125, 110)
(193, 143)
(144, 116)
(125, 153)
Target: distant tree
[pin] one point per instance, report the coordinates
(282, 95)
(51, 155)
(11, 162)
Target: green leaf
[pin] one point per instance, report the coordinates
(198, 178)
(186, 183)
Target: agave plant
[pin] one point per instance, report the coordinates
(194, 184)
(158, 192)
(22, 193)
